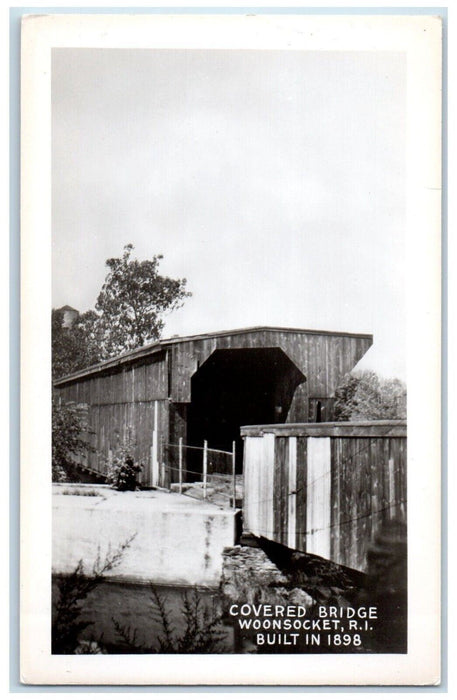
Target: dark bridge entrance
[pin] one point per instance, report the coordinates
(237, 387)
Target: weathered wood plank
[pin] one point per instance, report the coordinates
(292, 493)
(334, 500)
(362, 429)
(284, 465)
(278, 489)
(256, 479)
(318, 489)
(302, 464)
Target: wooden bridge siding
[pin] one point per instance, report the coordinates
(188, 356)
(177, 429)
(327, 409)
(324, 360)
(298, 411)
(120, 400)
(146, 382)
(111, 424)
(185, 360)
(361, 477)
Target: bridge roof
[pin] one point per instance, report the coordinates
(162, 344)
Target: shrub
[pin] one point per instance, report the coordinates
(68, 444)
(72, 591)
(122, 471)
(367, 396)
(200, 625)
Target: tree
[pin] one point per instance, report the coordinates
(133, 300)
(366, 396)
(74, 347)
(68, 442)
(129, 312)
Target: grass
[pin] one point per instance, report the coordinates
(80, 492)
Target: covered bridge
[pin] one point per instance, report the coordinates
(204, 387)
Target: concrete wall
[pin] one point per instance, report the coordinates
(178, 540)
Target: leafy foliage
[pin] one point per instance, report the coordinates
(74, 347)
(129, 312)
(72, 591)
(68, 443)
(133, 300)
(122, 471)
(344, 398)
(366, 396)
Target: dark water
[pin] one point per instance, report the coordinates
(131, 618)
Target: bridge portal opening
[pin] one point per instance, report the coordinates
(236, 387)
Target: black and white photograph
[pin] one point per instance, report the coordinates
(231, 396)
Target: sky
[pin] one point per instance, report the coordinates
(273, 181)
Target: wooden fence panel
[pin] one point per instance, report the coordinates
(325, 494)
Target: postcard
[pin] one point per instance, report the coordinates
(230, 397)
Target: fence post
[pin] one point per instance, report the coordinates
(233, 474)
(163, 471)
(205, 466)
(180, 465)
